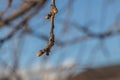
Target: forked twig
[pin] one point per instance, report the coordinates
(51, 15)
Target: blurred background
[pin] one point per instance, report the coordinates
(87, 41)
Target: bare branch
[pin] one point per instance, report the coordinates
(51, 15)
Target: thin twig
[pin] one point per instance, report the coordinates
(20, 24)
(53, 2)
(51, 15)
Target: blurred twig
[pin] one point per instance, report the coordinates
(26, 17)
(17, 13)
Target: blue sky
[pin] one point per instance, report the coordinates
(97, 15)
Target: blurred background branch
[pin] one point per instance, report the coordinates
(86, 45)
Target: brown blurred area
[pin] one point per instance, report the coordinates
(102, 73)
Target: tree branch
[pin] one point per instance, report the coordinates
(51, 15)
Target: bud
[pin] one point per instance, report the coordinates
(55, 10)
(48, 16)
(40, 53)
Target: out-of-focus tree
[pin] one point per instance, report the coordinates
(86, 35)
